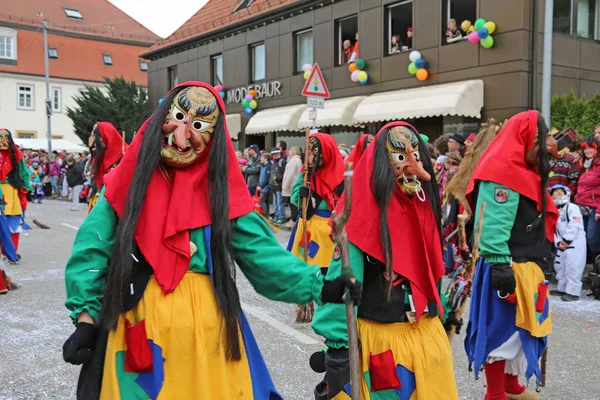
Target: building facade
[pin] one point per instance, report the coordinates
(87, 41)
(263, 45)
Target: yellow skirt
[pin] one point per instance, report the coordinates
(92, 202)
(189, 361)
(11, 197)
(320, 245)
(529, 277)
(418, 354)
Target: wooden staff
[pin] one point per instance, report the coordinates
(543, 367)
(341, 239)
(304, 313)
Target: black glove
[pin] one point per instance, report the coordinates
(78, 347)
(337, 366)
(303, 192)
(333, 291)
(452, 320)
(503, 278)
(29, 197)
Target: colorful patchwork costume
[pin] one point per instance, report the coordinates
(108, 148)
(509, 316)
(397, 253)
(153, 266)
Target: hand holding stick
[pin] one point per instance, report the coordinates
(304, 313)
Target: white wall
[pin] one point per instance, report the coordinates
(15, 119)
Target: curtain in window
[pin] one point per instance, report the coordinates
(305, 49)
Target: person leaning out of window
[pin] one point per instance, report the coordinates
(453, 33)
(407, 45)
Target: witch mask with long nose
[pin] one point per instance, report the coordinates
(403, 148)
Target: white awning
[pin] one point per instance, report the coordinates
(57, 144)
(234, 125)
(459, 98)
(338, 112)
(275, 120)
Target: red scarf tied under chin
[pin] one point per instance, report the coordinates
(173, 207)
(330, 174)
(414, 233)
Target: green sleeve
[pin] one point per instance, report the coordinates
(444, 300)
(329, 320)
(498, 220)
(24, 175)
(273, 272)
(86, 269)
(295, 198)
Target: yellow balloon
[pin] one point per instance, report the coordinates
(490, 26)
(466, 24)
(472, 29)
(362, 75)
(307, 75)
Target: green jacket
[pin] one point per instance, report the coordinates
(295, 198)
(272, 271)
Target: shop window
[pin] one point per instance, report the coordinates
(217, 70)
(52, 52)
(8, 43)
(173, 77)
(346, 36)
(304, 48)
(56, 100)
(143, 65)
(107, 59)
(257, 55)
(25, 97)
(455, 12)
(398, 34)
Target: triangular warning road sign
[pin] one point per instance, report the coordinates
(315, 85)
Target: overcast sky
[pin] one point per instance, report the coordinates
(162, 17)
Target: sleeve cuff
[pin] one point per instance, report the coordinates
(76, 313)
(317, 288)
(497, 259)
(332, 344)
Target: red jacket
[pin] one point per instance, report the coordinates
(588, 188)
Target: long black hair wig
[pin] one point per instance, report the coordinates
(121, 265)
(383, 184)
(543, 166)
(14, 176)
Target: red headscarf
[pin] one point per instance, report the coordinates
(6, 162)
(172, 207)
(331, 173)
(113, 149)
(504, 163)
(416, 245)
(358, 150)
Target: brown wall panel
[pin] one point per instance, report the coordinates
(565, 51)
(286, 55)
(590, 55)
(272, 30)
(188, 71)
(235, 67)
(427, 16)
(505, 91)
(216, 47)
(507, 14)
(501, 115)
(507, 47)
(203, 51)
(586, 75)
(204, 70)
(458, 56)
(345, 8)
(323, 45)
(395, 67)
(302, 21)
(323, 14)
(296, 85)
(340, 78)
(368, 4)
(272, 58)
(370, 31)
(285, 26)
(589, 88)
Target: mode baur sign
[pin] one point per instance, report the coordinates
(264, 90)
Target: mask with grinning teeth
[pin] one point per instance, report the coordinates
(189, 126)
(403, 149)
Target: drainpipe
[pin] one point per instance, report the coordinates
(533, 56)
(547, 65)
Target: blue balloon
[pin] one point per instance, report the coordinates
(160, 101)
(249, 110)
(483, 33)
(420, 63)
(364, 82)
(222, 94)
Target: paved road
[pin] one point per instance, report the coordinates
(34, 325)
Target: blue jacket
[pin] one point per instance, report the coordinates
(263, 180)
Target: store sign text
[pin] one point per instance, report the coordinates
(265, 90)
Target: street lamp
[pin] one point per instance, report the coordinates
(48, 101)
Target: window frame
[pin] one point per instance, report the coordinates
(143, 62)
(32, 94)
(449, 15)
(574, 22)
(338, 36)
(170, 70)
(297, 35)
(243, 5)
(104, 58)
(50, 55)
(388, 13)
(10, 34)
(252, 62)
(73, 10)
(18, 134)
(214, 76)
(59, 108)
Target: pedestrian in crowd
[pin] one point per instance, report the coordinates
(470, 140)
(252, 170)
(588, 194)
(54, 174)
(263, 183)
(453, 33)
(571, 247)
(282, 145)
(597, 131)
(290, 176)
(36, 173)
(441, 145)
(75, 179)
(275, 185)
(359, 149)
(456, 143)
(565, 170)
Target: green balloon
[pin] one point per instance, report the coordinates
(487, 42)
(360, 64)
(245, 103)
(412, 68)
(479, 23)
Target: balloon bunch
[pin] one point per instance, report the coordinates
(249, 103)
(417, 66)
(307, 68)
(357, 73)
(221, 90)
(480, 32)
